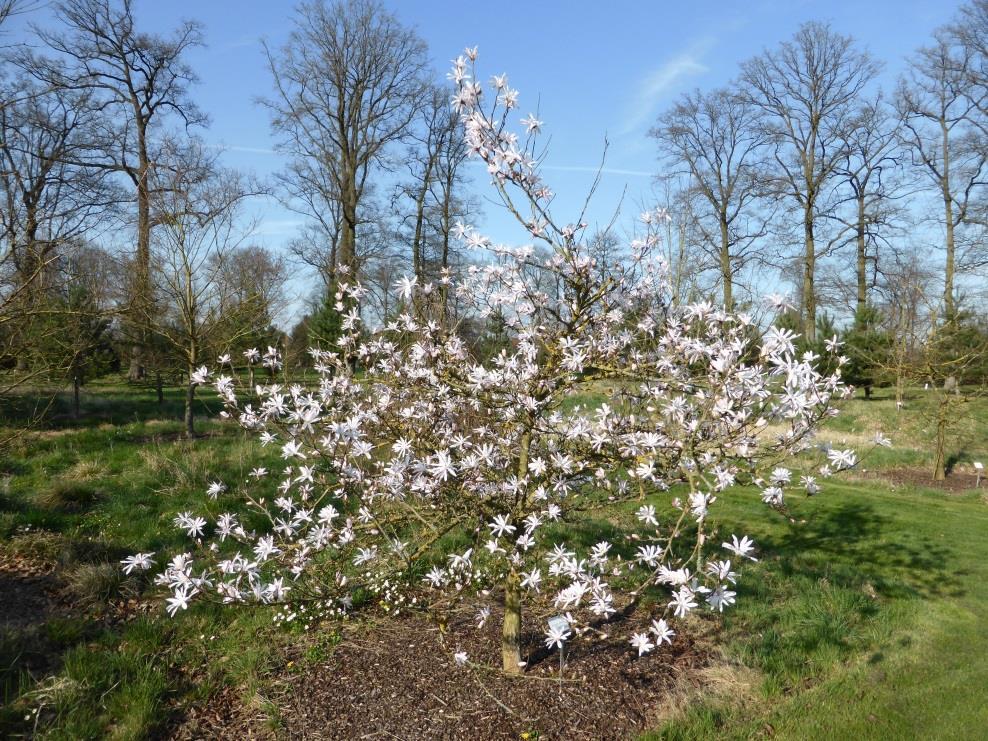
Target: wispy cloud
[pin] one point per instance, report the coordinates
(249, 150)
(660, 82)
(277, 227)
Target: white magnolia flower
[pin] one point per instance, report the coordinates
(662, 632)
(642, 642)
(200, 376)
(743, 547)
(139, 561)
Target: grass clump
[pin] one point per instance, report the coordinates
(69, 495)
(95, 584)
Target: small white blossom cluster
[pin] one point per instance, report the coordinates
(432, 476)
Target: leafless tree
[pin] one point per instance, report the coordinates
(716, 140)
(141, 82)
(870, 183)
(940, 129)
(48, 204)
(808, 89)
(348, 84)
(48, 197)
(255, 276)
(198, 213)
(432, 198)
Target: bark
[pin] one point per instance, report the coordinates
(190, 397)
(862, 267)
(511, 627)
(348, 232)
(444, 290)
(940, 454)
(142, 267)
(76, 383)
(136, 371)
(948, 212)
(725, 263)
(809, 270)
(948, 271)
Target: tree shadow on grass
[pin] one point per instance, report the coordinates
(853, 545)
(824, 587)
(118, 405)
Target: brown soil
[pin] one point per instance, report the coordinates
(955, 483)
(399, 681)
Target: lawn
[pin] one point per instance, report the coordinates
(866, 616)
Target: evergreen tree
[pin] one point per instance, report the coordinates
(324, 324)
(867, 346)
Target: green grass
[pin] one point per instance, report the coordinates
(81, 494)
(867, 616)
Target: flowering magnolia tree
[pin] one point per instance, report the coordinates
(431, 479)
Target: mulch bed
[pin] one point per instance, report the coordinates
(955, 483)
(398, 680)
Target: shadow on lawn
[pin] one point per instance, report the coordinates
(118, 405)
(856, 546)
(825, 586)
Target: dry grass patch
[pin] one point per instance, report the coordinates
(69, 495)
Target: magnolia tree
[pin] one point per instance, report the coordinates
(431, 480)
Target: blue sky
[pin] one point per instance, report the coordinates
(592, 69)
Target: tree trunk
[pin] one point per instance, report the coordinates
(444, 289)
(159, 387)
(725, 265)
(141, 307)
(348, 232)
(948, 212)
(76, 383)
(136, 370)
(862, 256)
(190, 396)
(511, 627)
(940, 454)
(809, 269)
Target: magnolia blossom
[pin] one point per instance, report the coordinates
(434, 477)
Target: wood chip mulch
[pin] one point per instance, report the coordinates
(956, 482)
(398, 680)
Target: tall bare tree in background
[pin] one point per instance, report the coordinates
(942, 132)
(808, 89)
(431, 199)
(348, 84)
(47, 200)
(140, 82)
(717, 140)
(869, 178)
